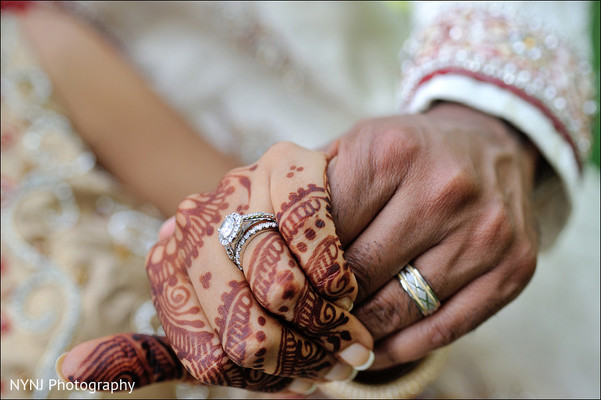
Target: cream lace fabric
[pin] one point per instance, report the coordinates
(248, 75)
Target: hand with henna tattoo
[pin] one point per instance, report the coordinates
(280, 323)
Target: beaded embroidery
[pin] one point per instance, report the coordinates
(526, 59)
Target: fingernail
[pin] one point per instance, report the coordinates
(340, 372)
(358, 356)
(58, 367)
(346, 303)
(302, 386)
(353, 375)
(368, 363)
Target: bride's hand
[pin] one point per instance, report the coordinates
(283, 316)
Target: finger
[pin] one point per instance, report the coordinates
(135, 360)
(446, 268)
(303, 210)
(167, 228)
(248, 335)
(357, 183)
(474, 304)
(129, 357)
(281, 287)
(196, 344)
(307, 227)
(401, 232)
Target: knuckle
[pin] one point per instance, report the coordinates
(282, 155)
(456, 185)
(525, 264)
(497, 229)
(211, 374)
(357, 260)
(280, 150)
(442, 335)
(381, 315)
(246, 351)
(397, 147)
(333, 284)
(322, 285)
(367, 129)
(280, 299)
(519, 272)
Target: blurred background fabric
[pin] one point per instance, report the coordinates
(73, 241)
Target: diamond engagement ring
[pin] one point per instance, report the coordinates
(418, 289)
(236, 230)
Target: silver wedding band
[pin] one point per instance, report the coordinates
(236, 230)
(418, 289)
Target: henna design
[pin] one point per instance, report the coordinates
(200, 214)
(321, 319)
(296, 357)
(205, 280)
(301, 219)
(233, 327)
(209, 354)
(144, 359)
(273, 286)
(292, 170)
(195, 343)
(302, 359)
(310, 199)
(181, 317)
(141, 359)
(262, 268)
(324, 264)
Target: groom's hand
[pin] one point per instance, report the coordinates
(450, 191)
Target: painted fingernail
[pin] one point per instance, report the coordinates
(302, 386)
(340, 372)
(59, 365)
(346, 303)
(358, 356)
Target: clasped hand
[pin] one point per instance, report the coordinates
(449, 191)
(281, 320)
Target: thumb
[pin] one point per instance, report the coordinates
(130, 357)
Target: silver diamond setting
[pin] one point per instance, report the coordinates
(230, 228)
(236, 230)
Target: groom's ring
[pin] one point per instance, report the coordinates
(418, 289)
(236, 230)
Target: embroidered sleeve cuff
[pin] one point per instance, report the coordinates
(524, 74)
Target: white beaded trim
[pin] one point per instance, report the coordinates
(519, 55)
